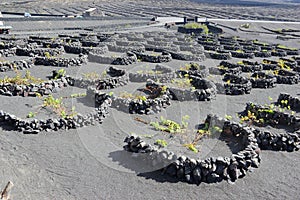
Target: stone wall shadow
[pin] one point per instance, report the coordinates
(137, 163)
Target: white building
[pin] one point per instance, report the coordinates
(1, 22)
(4, 29)
(90, 12)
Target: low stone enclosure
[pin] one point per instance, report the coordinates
(160, 72)
(202, 90)
(287, 77)
(286, 100)
(198, 31)
(36, 51)
(165, 74)
(269, 116)
(197, 56)
(234, 85)
(154, 58)
(34, 126)
(61, 62)
(127, 59)
(263, 80)
(45, 88)
(193, 69)
(140, 106)
(244, 66)
(114, 78)
(223, 48)
(214, 169)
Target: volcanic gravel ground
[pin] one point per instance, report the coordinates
(89, 163)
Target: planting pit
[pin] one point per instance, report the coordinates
(158, 72)
(147, 99)
(114, 58)
(191, 88)
(153, 57)
(191, 169)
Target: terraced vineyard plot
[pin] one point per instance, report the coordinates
(172, 97)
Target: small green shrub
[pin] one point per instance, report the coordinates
(150, 72)
(91, 75)
(286, 48)
(60, 73)
(260, 43)
(184, 121)
(47, 54)
(190, 66)
(31, 115)
(77, 95)
(191, 147)
(127, 95)
(56, 104)
(228, 117)
(170, 126)
(19, 80)
(183, 83)
(196, 25)
(247, 25)
(161, 143)
(239, 51)
(282, 65)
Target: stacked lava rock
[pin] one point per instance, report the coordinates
(263, 80)
(166, 74)
(160, 58)
(154, 103)
(194, 69)
(16, 65)
(235, 85)
(61, 62)
(273, 117)
(286, 100)
(287, 77)
(226, 68)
